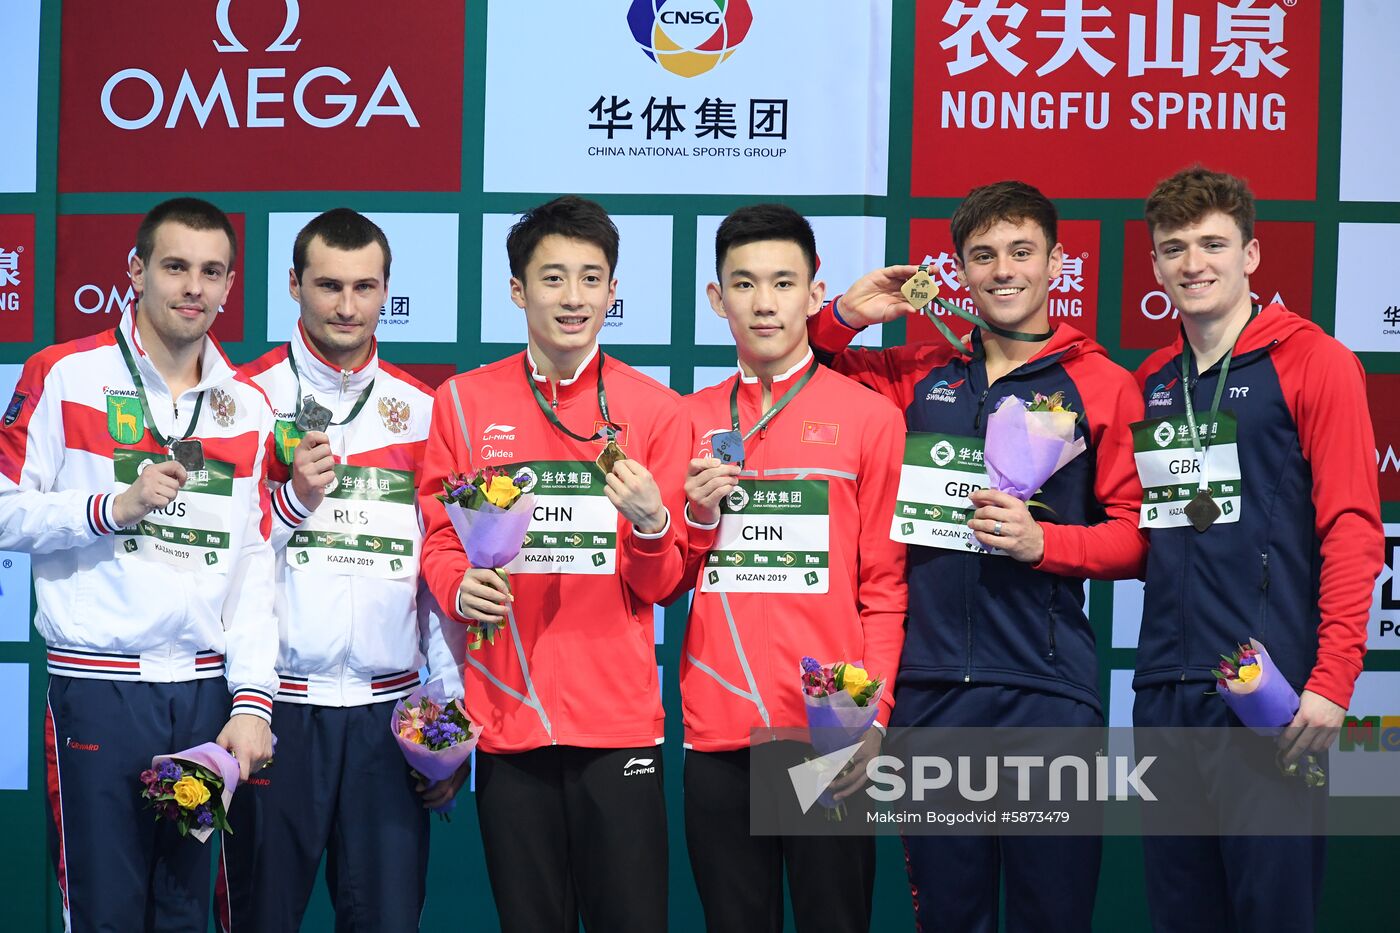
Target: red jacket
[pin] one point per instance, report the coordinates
(836, 432)
(578, 665)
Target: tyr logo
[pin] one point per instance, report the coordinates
(1239, 391)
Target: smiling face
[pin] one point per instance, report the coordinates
(183, 284)
(767, 294)
(1205, 267)
(1008, 268)
(565, 293)
(340, 294)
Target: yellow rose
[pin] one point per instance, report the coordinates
(190, 792)
(1249, 672)
(502, 491)
(854, 679)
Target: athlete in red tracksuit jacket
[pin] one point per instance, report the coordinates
(569, 788)
(800, 565)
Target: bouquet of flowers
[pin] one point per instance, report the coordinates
(842, 702)
(434, 735)
(1027, 442)
(491, 513)
(1263, 700)
(192, 788)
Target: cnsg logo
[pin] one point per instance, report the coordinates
(689, 37)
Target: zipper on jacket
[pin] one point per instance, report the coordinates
(967, 611)
(981, 403)
(1053, 591)
(1263, 594)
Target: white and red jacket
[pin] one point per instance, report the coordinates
(134, 619)
(576, 664)
(741, 663)
(348, 639)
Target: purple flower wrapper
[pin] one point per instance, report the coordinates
(491, 536)
(1271, 705)
(835, 722)
(1024, 448)
(215, 759)
(434, 765)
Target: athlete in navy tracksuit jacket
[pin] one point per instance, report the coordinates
(992, 640)
(1292, 564)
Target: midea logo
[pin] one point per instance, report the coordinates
(278, 45)
(264, 94)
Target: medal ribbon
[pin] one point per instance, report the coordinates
(611, 430)
(355, 410)
(1197, 444)
(975, 320)
(771, 413)
(160, 439)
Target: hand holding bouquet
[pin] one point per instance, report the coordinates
(1027, 442)
(1263, 700)
(491, 513)
(434, 734)
(842, 702)
(192, 788)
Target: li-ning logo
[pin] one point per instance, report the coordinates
(264, 90)
(639, 766)
(1161, 394)
(944, 391)
(689, 37)
(498, 432)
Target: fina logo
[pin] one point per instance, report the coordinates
(1162, 394)
(689, 37)
(944, 391)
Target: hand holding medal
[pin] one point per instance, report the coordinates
(707, 481)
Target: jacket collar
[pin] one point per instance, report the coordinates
(214, 367)
(325, 380)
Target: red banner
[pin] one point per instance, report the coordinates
(1103, 100)
(1381, 392)
(1285, 275)
(92, 286)
(16, 278)
(1074, 294)
(352, 95)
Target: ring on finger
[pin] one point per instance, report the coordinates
(996, 529)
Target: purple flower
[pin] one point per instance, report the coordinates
(460, 490)
(810, 666)
(169, 771)
(522, 481)
(148, 777)
(202, 816)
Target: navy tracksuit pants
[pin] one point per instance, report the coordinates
(118, 868)
(338, 785)
(956, 881)
(1205, 884)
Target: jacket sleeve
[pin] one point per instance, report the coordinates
(1115, 548)
(1324, 385)
(698, 538)
(33, 516)
(443, 643)
(882, 593)
(652, 566)
(444, 561)
(251, 636)
(889, 372)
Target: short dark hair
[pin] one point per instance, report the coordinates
(765, 222)
(1192, 193)
(569, 216)
(1013, 201)
(195, 213)
(339, 228)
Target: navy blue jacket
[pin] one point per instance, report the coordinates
(977, 618)
(1298, 569)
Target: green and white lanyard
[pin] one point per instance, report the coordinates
(355, 410)
(611, 429)
(974, 319)
(729, 445)
(1202, 511)
(160, 438)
